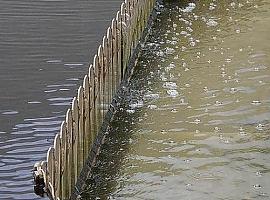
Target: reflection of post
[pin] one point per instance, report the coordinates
(75, 134)
(70, 172)
(63, 162)
(124, 40)
(57, 163)
(97, 93)
(118, 47)
(114, 56)
(50, 166)
(110, 67)
(101, 81)
(87, 137)
(105, 91)
(81, 126)
(92, 104)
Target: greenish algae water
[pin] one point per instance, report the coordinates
(195, 123)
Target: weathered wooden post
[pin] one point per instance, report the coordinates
(79, 132)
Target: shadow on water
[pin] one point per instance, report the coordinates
(105, 175)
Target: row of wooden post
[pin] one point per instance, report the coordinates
(85, 117)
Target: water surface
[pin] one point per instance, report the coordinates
(195, 124)
(45, 49)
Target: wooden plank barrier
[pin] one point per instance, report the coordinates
(79, 132)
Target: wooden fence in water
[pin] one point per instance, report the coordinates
(65, 160)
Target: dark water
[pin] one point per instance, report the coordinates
(196, 122)
(45, 49)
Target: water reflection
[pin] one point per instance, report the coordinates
(45, 49)
(199, 102)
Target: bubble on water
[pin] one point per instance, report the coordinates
(260, 127)
(205, 89)
(189, 29)
(258, 173)
(218, 103)
(212, 6)
(138, 104)
(183, 102)
(240, 5)
(192, 44)
(197, 131)
(175, 38)
(189, 8)
(233, 4)
(152, 107)
(242, 131)
(217, 129)
(174, 25)
(211, 23)
(228, 60)
(233, 90)
(237, 31)
(183, 33)
(163, 131)
(240, 49)
(223, 74)
(226, 141)
(171, 65)
(160, 53)
(256, 69)
(187, 160)
(197, 121)
(170, 85)
(130, 111)
(151, 96)
(172, 93)
(203, 19)
(256, 102)
(187, 85)
(169, 50)
(257, 186)
(184, 64)
(174, 110)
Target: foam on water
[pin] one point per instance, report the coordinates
(206, 136)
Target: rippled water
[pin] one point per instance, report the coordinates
(196, 122)
(45, 49)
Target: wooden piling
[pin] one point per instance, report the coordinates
(79, 132)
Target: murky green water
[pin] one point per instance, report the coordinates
(196, 122)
